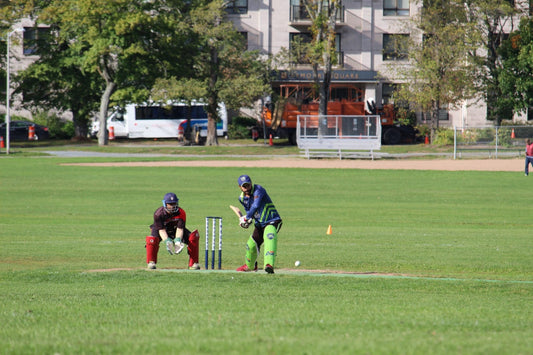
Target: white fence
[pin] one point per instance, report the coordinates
(338, 135)
(491, 141)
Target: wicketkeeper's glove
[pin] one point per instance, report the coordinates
(179, 246)
(170, 245)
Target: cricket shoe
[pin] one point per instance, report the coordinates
(194, 266)
(245, 268)
(269, 269)
(151, 265)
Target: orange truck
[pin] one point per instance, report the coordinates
(300, 99)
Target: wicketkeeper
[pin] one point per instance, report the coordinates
(259, 207)
(169, 227)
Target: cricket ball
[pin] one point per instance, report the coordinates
(297, 263)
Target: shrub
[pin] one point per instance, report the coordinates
(443, 136)
(241, 127)
(58, 128)
(504, 136)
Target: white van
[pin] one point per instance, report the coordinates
(160, 121)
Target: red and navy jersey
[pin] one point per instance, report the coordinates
(168, 221)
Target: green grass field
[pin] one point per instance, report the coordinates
(440, 262)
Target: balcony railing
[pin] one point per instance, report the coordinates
(299, 13)
(304, 61)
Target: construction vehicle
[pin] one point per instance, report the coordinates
(301, 99)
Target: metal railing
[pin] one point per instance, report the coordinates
(298, 13)
(339, 135)
(494, 141)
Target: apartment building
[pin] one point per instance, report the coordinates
(364, 30)
(20, 56)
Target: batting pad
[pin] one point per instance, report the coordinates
(251, 253)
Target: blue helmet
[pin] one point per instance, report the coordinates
(244, 179)
(171, 198)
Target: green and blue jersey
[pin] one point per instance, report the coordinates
(259, 206)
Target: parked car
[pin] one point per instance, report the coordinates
(18, 131)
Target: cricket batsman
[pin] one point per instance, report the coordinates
(169, 227)
(259, 207)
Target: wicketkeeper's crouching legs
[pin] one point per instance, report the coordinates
(192, 249)
(152, 247)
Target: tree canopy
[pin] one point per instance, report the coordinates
(516, 77)
(222, 69)
(102, 52)
(440, 72)
(320, 51)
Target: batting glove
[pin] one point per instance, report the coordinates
(170, 245)
(244, 222)
(179, 246)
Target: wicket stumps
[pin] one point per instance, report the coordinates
(212, 220)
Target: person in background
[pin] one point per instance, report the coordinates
(529, 155)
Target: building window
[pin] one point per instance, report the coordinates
(297, 48)
(237, 6)
(444, 114)
(395, 47)
(387, 93)
(298, 12)
(395, 7)
(35, 38)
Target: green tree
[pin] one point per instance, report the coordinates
(221, 66)
(322, 51)
(53, 82)
(516, 77)
(10, 11)
(184, 90)
(116, 48)
(492, 19)
(318, 49)
(440, 71)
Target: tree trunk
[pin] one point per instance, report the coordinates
(110, 86)
(434, 123)
(80, 126)
(211, 130)
(212, 105)
(103, 136)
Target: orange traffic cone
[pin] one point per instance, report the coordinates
(2, 144)
(31, 133)
(111, 133)
(426, 141)
(329, 230)
(512, 134)
(270, 141)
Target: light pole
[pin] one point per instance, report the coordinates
(8, 94)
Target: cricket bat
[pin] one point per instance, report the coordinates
(236, 210)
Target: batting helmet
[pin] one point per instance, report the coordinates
(171, 198)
